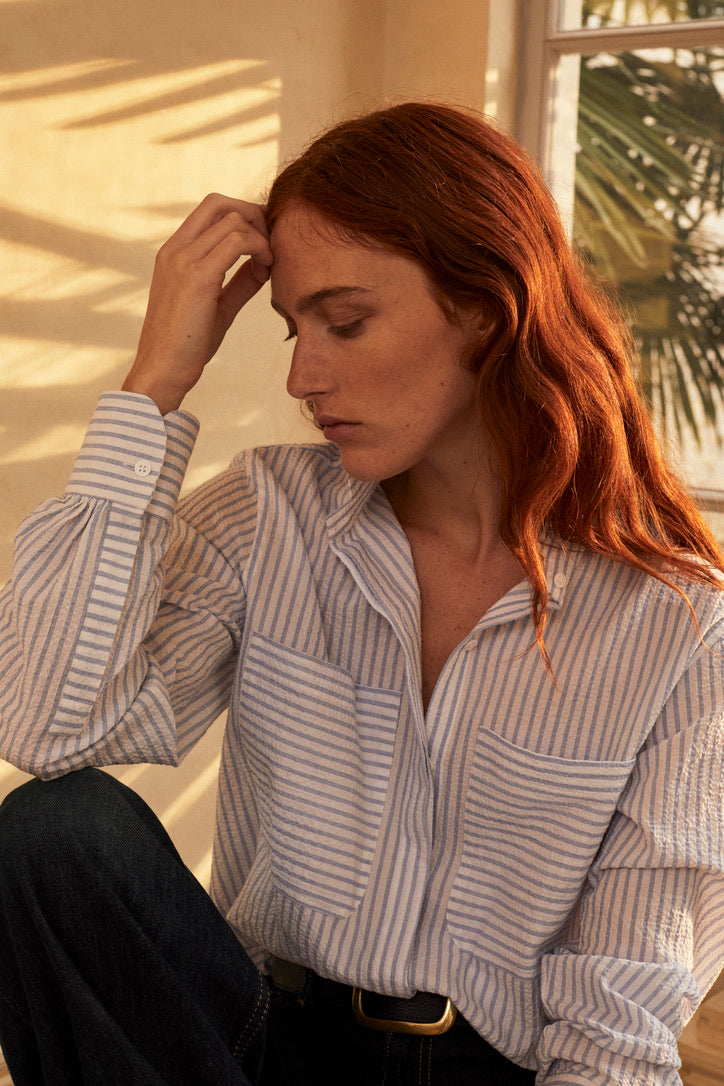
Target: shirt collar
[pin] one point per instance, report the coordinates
(559, 559)
(354, 497)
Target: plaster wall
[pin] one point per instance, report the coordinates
(116, 117)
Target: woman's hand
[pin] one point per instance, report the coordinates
(190, 307)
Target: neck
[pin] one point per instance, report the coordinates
(460, 505)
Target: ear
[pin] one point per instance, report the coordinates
(477, 324)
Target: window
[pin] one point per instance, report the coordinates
(622, 102)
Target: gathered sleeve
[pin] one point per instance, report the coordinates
(119, 625)
(649, 940)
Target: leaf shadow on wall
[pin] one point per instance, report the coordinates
(242, 65)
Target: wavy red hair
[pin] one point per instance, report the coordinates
(577, 452)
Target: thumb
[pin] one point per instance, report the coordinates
(242, 286)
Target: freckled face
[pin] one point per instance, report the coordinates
(374, 353)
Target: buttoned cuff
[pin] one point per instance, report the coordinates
(133, 456)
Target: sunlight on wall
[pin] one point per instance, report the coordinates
(105, 164)
(116, 119)
(111, 148)
(36, 448)
(104, 128)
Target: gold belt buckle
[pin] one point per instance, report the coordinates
(391, 1025)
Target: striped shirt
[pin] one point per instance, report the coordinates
(548, 854)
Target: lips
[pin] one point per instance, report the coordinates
(336, 429)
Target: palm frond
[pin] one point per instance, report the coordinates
(649, 176)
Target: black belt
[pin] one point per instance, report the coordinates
(425, 1013)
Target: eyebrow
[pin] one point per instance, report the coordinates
(310, 301)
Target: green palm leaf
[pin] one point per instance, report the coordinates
(649, 170)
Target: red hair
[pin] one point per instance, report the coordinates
(576, 449)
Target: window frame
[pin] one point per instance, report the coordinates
(546, 109)
(546, 105)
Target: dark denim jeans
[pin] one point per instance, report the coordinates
(115, 966)
(314, 1044)
(116, 969)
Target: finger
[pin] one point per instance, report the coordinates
(261, 268)
(232, 234)
(229, 250)
(242, 286)
(211, 210)
(254, 214)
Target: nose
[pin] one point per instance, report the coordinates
(309, 375)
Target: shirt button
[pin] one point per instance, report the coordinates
(560, 580)
(142, 468)
(471, 645)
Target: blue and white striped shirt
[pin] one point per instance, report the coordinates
(547, 854)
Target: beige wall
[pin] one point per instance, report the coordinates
(116, 117)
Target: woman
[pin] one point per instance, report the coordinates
(469, 818)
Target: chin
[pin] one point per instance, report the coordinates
(374, 462)
(362, 475)
(362, 468)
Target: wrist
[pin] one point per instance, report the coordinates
(166, 398)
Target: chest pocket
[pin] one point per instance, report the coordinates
(533, 825)
(320, 749)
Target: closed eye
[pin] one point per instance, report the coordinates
(347, 331)
(342, 331)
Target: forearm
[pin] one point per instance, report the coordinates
(193, 300)
(650, 926)
(86, 581)
(612, 1021)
